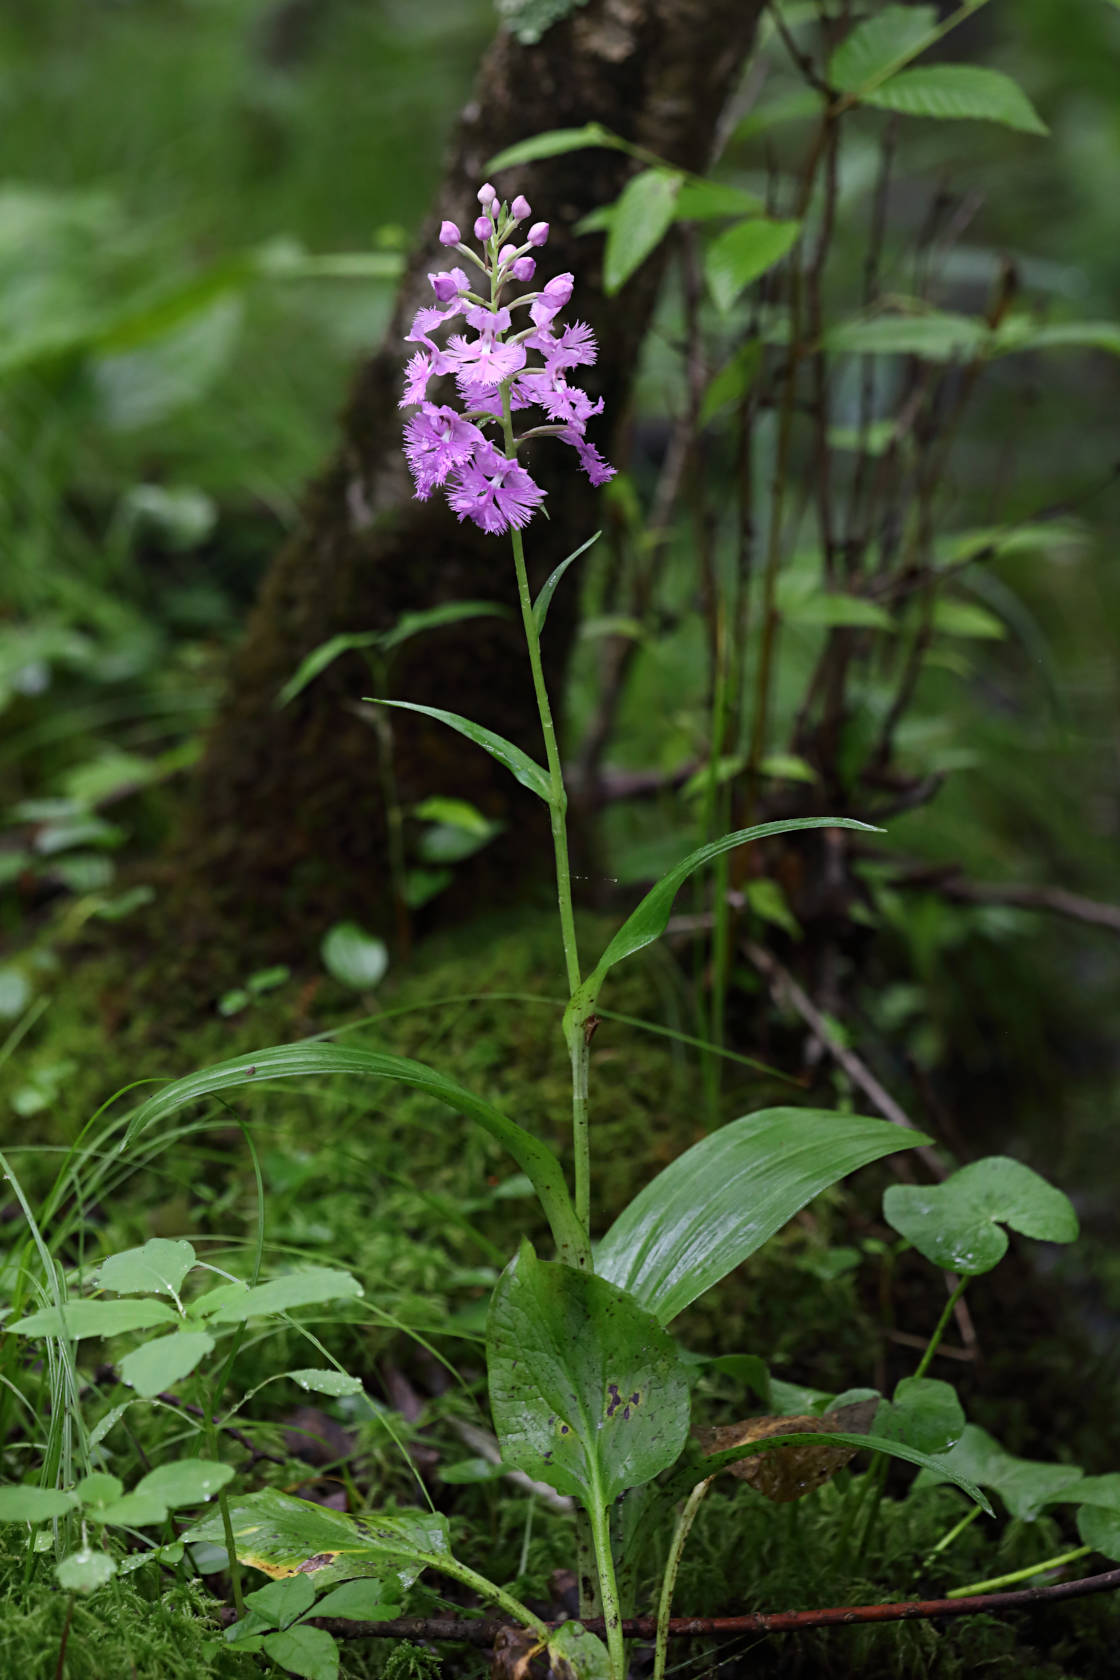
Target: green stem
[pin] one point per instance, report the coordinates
(608, 1586)
(669, 1579)
(486, 1589)
(231, 1549)
(999, 1581)
(947, 1539)
(939, 1328)
(557, 809)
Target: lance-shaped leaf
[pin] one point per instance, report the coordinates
(959, 1224)
(297, 1289)
(587, 1391)
(290, 1061)
(743, 253)
(649, 921)
(407, 626)
(790, 1472)
(520, 766)
(880, 44)
(723, 1198)
(555, 143)
(283, 1536)
(548, 588)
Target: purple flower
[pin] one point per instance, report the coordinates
(495, 492)
(464, 452)
(435, 441)
(449, 284)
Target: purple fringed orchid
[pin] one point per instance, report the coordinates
(472, 454)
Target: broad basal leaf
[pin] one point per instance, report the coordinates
(587, 1391)
(291, 1061)
(959, 1224)
(520, 766)
(959, 90)
(723, 1198)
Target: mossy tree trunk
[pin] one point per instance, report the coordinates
(286, 831)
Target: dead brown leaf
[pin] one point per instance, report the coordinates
(790, 1472)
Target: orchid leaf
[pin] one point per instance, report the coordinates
(518, 763)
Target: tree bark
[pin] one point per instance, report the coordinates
(286, 830)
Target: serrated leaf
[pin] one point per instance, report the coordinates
(645, 211)
(23, 1503)
(744, 252)
(958, 91)
(880, 42)
(713, 1206)
(701, 201)
(732, 382)
(186, 1481)
(326, 1382)
(966, 618)
(307, 1651)
(518, 763)
(95, 1318)
(839, 611)
(651, 917)
(159, 1268)
(283, 1294)
(934, 335)
(162, 1363)
(354, 957)
(283, 1536)
(548, 588)
(85, 1571)
(587, 1391)
(554, 143)
(959, 1224)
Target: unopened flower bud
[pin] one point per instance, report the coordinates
(445, 286)
(483, 228)
(524, 268)
(448, 233)
(520, 209)
(538, 233)
(486, 195)
(559, 289)
(506, 254)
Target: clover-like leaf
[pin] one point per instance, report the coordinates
(959, 1224)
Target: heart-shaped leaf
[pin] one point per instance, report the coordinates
(722, 1199)
(959, 1224)
(1025, 1486)
(925, 1413)
(587, 1391)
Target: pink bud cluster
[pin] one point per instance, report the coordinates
(472, 454)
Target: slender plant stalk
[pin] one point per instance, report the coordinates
(669, 1578)
(999, 1581)
(940, 1328)
(577, 1036)
(608, 1587)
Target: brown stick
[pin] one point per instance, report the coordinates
(485, 1630)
